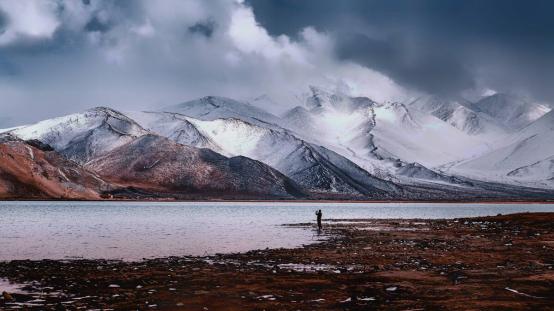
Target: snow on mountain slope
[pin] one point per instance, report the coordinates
(496, 165)
(156, 163)
(321, 100)
(333, 120)
(458, 113)
(87, 136)
(413, 136)
(511, 111)
(420, 172)
(387, 140)
(521, 157)
(316, 168)
(541, 172)
(270, 105)
(214, 107)
(174, 126)
(83, 136)
(392, 141)
(299, 120)
(543, 125)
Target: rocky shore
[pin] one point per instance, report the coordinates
(489, 263)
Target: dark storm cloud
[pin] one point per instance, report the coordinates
(61, 56)
(205, 28)
(96, 25)
(6, 67)
(435, 46)
(3, 21)
(433, 70)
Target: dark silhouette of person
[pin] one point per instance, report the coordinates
(319, 214)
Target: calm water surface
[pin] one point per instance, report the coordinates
(136, 230)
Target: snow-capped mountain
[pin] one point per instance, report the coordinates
(313, 167)
(174, 126)
(84, 136)
(541, 172)
(459, 113)
(387, 140)
(158, 164)
(91, 138)
(300, 120)
(413, 136)
(330, 145)
(214, 107)
(511, 111)
(524, 158)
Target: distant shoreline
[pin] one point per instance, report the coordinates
(298, 201)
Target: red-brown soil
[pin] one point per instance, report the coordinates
(159, 165)
(28, 172)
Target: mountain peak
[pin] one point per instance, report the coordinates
(322, 99)
(215, 107)
(511, 111)
(82, 136)
(104, 109)
(298, 110)
(110, 112)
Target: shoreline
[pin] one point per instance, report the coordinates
(498, 262)
(550, 201)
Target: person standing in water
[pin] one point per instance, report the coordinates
(319, 214)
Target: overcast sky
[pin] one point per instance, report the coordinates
(62, 56)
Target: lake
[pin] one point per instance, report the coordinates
(136, 230)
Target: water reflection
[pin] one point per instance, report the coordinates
(136, 230)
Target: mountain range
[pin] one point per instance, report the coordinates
(330, 146)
